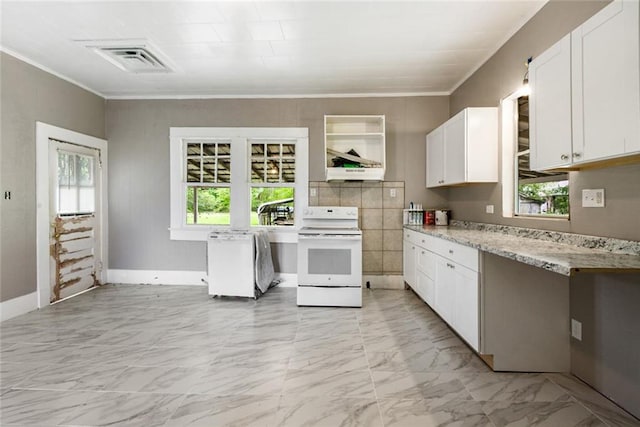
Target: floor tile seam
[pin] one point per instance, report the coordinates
(373, 384)
(579, 400)
(585, 407)
(98, 391)
(178, 406)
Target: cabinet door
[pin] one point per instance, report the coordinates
(445, 289)
(465, 318)
(426, 272)
(409, 263)
(425, 288)
(435, 158)
(455, 154)
(606, 83)
(550, 107)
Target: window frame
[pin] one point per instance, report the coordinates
(240, 209)
(510, 154)
(196, 185)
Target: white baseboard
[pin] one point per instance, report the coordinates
(287, 280)
(395, 281)
(157, 277)
(17, 306)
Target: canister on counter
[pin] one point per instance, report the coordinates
(430, 217)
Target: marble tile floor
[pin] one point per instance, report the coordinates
(140, 355)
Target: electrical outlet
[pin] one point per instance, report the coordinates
(576, 329)
(392, 192)
(313, 192)
(489, 209)
(593, 198)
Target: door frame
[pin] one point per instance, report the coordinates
(45, 132)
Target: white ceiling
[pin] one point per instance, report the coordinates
(268, 48)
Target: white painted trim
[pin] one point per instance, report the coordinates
(17, 306)
(523, 20)
(287, 280)
(158, 277)
(240, 182)
(280, 96)
(220, 96)
(44, 132)
(49, 70)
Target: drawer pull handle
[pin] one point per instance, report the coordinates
(450, 251)
(451, 265)
(564, 157)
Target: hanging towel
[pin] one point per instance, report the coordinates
(265, 273)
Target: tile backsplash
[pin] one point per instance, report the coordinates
(380, 218)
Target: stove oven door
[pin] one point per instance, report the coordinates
(331, 260)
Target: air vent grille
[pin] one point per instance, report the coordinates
(134, 56)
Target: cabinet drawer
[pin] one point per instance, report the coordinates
(426, 262)
(410, 236)
(463, 255)
(419, 239)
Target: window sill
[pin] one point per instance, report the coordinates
(543, 217)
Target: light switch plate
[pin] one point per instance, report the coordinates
(593, 198)
(392, 192)
(576, 329)
(489, 209)
(313, 192)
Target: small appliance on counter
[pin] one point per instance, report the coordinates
(442, 216)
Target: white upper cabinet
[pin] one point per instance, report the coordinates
(585, 92)
(464, 149)
(606, 83)
(354, 147)
(435, 156)
(550, 107)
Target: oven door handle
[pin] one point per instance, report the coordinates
(328, 237)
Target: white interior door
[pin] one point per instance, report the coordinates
(75, 218)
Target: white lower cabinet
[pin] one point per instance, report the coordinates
(409, 261)
(445, 290)
(446, 276)
(425, 275)
(465, 314)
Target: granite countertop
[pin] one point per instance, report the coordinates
(562, 253)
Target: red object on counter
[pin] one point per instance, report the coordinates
(429, 217)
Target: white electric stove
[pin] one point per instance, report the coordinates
(330, 257)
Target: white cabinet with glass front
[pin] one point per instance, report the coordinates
(464, 149)
(354, 147)
(585, 92)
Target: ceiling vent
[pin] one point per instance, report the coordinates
(133, 56)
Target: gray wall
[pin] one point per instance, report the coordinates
(607, 305)
(138, 134)
(29, 94)
(608, 357)
(499, 77)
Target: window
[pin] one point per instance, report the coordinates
(273, 166)
(536, 193)
(207, 167)
(76, 183)
(236, 178)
